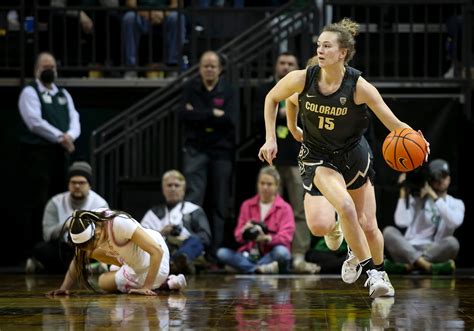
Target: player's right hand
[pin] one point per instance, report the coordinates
(268, 151)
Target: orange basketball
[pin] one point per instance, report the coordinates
(404, 149)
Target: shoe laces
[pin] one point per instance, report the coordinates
(374, 276)
(350, 266)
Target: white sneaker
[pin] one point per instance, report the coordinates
(391, 291)
(270, 268)
(334, 238)
(449, 73)
(351, 269)
(378, 285)
(303, 267)
(177, 282)
(33, 266)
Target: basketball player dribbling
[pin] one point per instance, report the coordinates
(335, 160)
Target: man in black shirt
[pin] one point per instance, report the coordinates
(209, 116)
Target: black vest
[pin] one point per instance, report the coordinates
(55, 113)
(332, 122)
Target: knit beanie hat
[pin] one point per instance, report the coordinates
(80, 168)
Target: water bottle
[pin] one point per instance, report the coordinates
(29, 24)
(185, 63)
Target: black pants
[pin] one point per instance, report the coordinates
(201, 169)
(41, 175)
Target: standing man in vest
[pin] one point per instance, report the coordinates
(50, 127)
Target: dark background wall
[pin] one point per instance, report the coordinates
(95, 106)
(441, 120)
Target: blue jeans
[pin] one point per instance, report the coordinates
(192, 247)
(279, 253)
(134, 26)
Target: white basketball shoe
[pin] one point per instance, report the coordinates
(379, 284)
(351, 269)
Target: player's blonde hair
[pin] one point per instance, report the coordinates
(346, 30)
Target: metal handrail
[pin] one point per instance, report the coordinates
(144, 115)
(250, 33)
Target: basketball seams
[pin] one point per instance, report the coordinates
(402, 144)
(408, 153)
(388, 144)
(395, 153)
(415, 142)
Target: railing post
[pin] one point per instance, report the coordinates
(22, 43)
(467, 35)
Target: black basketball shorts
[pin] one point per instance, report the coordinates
(355, 165)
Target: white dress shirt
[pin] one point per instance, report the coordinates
(30, 110)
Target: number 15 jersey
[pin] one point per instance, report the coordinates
(331, 123)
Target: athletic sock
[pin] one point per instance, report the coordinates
(380, 267)
(367, 264)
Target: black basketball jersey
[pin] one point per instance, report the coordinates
(332, 122)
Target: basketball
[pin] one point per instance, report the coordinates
(404, 149)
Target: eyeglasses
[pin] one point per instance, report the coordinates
(78, 182)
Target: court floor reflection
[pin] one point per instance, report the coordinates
(213, 302)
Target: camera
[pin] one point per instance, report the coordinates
(176, 230)
(415, 180)
(252, 233)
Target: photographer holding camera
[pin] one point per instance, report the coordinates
(430, 215)
(183, 224)
(265, 230)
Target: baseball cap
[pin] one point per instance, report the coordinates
(438, 168)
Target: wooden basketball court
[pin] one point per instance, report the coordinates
(230, 302)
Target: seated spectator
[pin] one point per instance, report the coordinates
(68, 28)
(430, 216)
(137, 23)
(53, 255)
(265, 230)
(102, 46)
(183, 224)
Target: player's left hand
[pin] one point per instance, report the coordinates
(297, 134)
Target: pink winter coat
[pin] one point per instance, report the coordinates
(279, 220)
